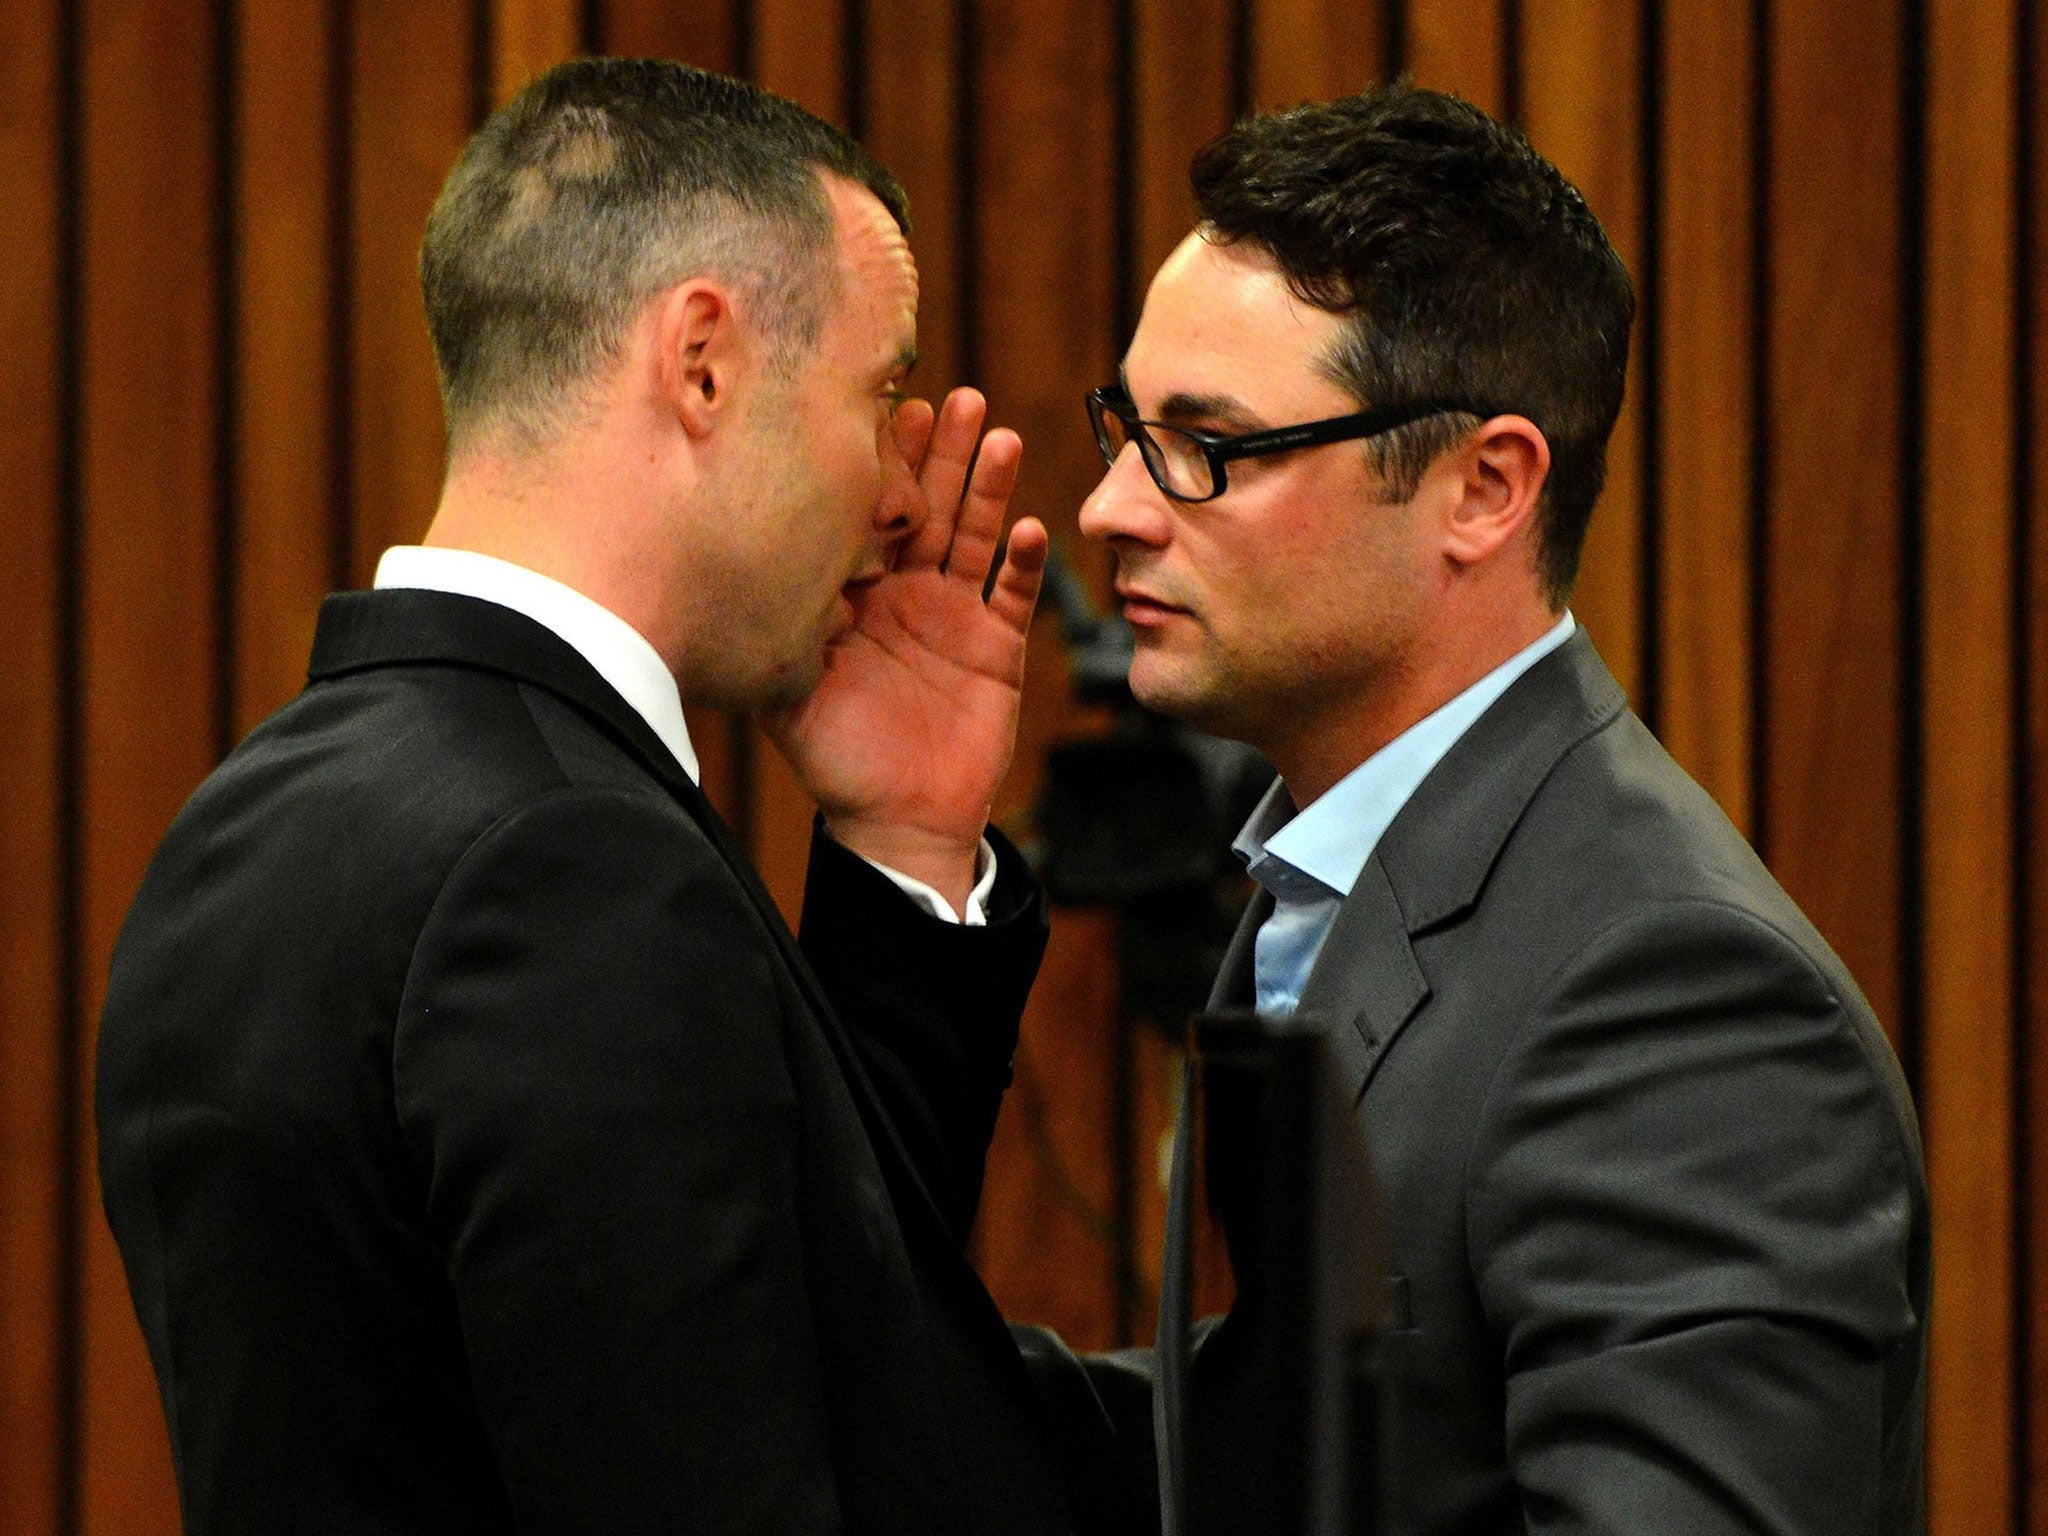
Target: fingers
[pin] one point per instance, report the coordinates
(980, 524)
(948, 455)
(912, 424)
(1015, 593)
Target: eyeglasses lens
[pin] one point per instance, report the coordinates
(1110, 432)
(1175, 460)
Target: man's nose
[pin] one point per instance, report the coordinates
(1125, 504)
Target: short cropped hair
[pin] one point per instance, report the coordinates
(600, 184)
(1466, 266)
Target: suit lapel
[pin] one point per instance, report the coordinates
(1366, 985)
(1234, 986)
(1431, 865)
(409, 626)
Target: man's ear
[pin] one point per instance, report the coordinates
(701, 351)
(1501, 470)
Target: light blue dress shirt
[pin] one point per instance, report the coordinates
(1310, 859)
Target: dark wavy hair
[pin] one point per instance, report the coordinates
(601, 183)
(1465, 265)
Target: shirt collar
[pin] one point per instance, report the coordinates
(616, 651)
(1332, 839)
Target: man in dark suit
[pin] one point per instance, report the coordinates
(1653, 1189)
(484, 1152)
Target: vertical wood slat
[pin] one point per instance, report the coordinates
(1459, 46)
(701, 32)
(1581, 72)
(800, 52)
(411, 100)
(913, 111)
(1044, 1244)
(528, 38)
(1703, 379)
(1315, 50)
(1047, 281)
(1834, 508)
(2033, 737)
(286, 213)
(148, 485)
(1156, 1067)
(1181, 74)
(33, 1095)
(1968, 481)
(1044, 84)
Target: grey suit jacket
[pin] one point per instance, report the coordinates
(1653, 1183)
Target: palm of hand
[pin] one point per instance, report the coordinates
(917, 708)
(911, 727)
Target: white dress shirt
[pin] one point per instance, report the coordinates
(622, 656)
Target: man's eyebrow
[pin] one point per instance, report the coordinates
(1183, 409)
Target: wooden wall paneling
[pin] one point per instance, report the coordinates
(412, 100)
(1181, 73)
(287, 212)
(799, 51)
(2033, 735)
(1043, 79)
(706, 33)
(1581, 74)
(911, 99)
(530, 37)
(1045, 1241)
(1315, 50)
(1156, 1068)
(34, 1096)
(1703, 376)
(1835, 505)
(1045, 240)
(1459, 46)
(1968, 483)
(1155, 1071)
(149, 668)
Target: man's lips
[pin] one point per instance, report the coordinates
(873, 567)
(856, 586)
(1143, 608)
(852, 593)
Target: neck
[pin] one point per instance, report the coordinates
(560, 512)
(1316, 748)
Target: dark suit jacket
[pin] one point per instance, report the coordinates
(485, 1155)
(1652, 1180)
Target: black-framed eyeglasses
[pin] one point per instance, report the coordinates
(1188, 464)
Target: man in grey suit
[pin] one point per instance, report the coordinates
(1653, 1187)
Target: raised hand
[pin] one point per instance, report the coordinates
(906, 738)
